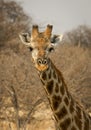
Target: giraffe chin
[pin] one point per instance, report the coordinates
(41, 68)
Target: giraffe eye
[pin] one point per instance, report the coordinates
(30, 48)
(50, 49)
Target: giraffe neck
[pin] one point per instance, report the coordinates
(56, 90)
(67, 112)
(53, 82)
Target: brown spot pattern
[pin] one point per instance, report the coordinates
(62, 113)
(55, 105)
(65, 124)
(66, 101)
(54, 74)
(57, 88)
(78, 122)
(73, 128)
(78, 112)
(71, 106)
(44, 76)
(50, 86)
(56, 100)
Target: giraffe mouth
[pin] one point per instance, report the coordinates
(41, 67)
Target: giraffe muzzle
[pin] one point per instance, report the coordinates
(41, 61)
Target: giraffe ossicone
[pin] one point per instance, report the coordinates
(67, 112)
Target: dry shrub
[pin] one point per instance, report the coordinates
(19, 86)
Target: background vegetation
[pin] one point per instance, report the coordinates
(23, 103)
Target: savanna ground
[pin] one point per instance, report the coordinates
(23, 102)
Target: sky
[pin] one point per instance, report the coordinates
(64, 15)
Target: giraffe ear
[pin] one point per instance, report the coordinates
(55, 39)
(25, 38)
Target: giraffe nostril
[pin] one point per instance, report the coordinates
(44, 61)
(39, 61)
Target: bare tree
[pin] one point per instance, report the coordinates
(13, 20)
(80, 36)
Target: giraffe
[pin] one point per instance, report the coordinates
(69, 115)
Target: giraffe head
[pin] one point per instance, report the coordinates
(40, 44)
